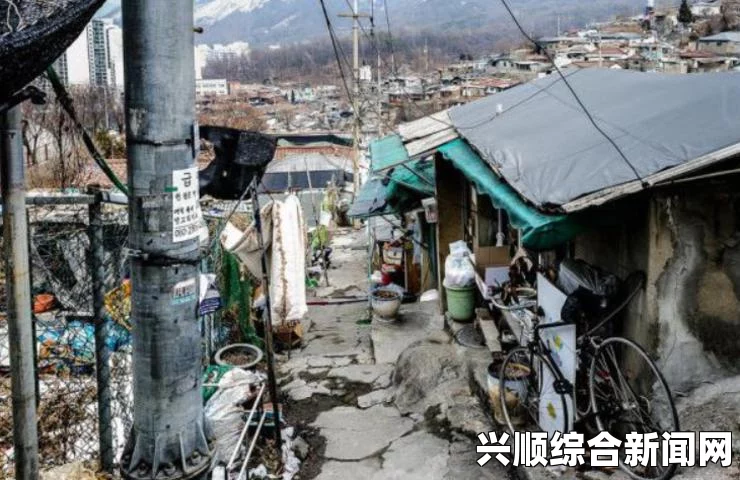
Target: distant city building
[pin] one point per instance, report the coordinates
(95, 57)
(212, 87)
(208, 53)
(706, 8)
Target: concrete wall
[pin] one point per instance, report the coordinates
(688, 243)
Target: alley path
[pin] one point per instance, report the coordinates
(366, 417)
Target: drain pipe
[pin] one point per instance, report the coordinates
(168, 438)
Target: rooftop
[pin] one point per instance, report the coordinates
(733, 37)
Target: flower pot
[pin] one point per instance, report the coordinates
(238, 355)
(515, 395)
(386, 304)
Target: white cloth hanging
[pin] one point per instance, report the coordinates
(288, 269)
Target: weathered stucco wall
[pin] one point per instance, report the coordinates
(695, 278)
(688, 244)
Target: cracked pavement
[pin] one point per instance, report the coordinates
(342, 398)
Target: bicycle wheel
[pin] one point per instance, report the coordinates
(631, 398)
(527, 393)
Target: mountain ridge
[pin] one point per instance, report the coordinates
(282, 22)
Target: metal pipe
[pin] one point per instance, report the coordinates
(15, 235)
(245, 429)
(102, 354)
(251, 445)
(269, 353)
(168, 438)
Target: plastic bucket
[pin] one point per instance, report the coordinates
(461, 303)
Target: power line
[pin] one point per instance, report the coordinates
(390, 36)
(336, 51)
(575, 95)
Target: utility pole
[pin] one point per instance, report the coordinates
(379, 79)
(168, 438)
(355, 16)
(18, 280)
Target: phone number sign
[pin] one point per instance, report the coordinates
(186, 214)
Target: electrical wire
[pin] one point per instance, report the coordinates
(333, 39)
(390, 35)
(572, 90)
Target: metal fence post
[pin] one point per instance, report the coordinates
(102, 354)
(15, 235)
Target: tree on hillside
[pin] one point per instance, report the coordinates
(684, 13)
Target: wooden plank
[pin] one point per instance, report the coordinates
(431, 143)
(425, 126)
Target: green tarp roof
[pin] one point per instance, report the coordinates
(386, 152)
(405, 185)
(371, 200)
(409, 183)
(539, 231)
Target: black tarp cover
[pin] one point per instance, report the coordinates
(34, 33)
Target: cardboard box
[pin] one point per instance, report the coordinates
(492, 256)
(492, 264)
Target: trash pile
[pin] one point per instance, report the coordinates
(241, 421)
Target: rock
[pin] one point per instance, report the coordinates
(354, 434)
(426, 375)
(301, 448)
(374, 398)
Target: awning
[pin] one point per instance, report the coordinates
(409, 183)
(539, 231)
(371, 200)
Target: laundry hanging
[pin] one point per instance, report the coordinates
(288, 266)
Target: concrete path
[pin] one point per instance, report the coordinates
(340, 391)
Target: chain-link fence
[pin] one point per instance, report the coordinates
(68, 238)
(65, 325)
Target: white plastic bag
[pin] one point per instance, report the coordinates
(459, 271)
(224, 413)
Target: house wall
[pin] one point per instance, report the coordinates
(696, 268)
(451, 214)
(688, 244)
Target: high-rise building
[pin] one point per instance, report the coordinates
(95, 57)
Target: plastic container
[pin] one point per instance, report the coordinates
(461, 303)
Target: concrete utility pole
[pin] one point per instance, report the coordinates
(18, 282)
(168, 439)
(355, 16)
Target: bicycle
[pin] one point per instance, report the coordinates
(626, 398)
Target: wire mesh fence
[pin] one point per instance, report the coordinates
(63, 254)
(64, 327)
